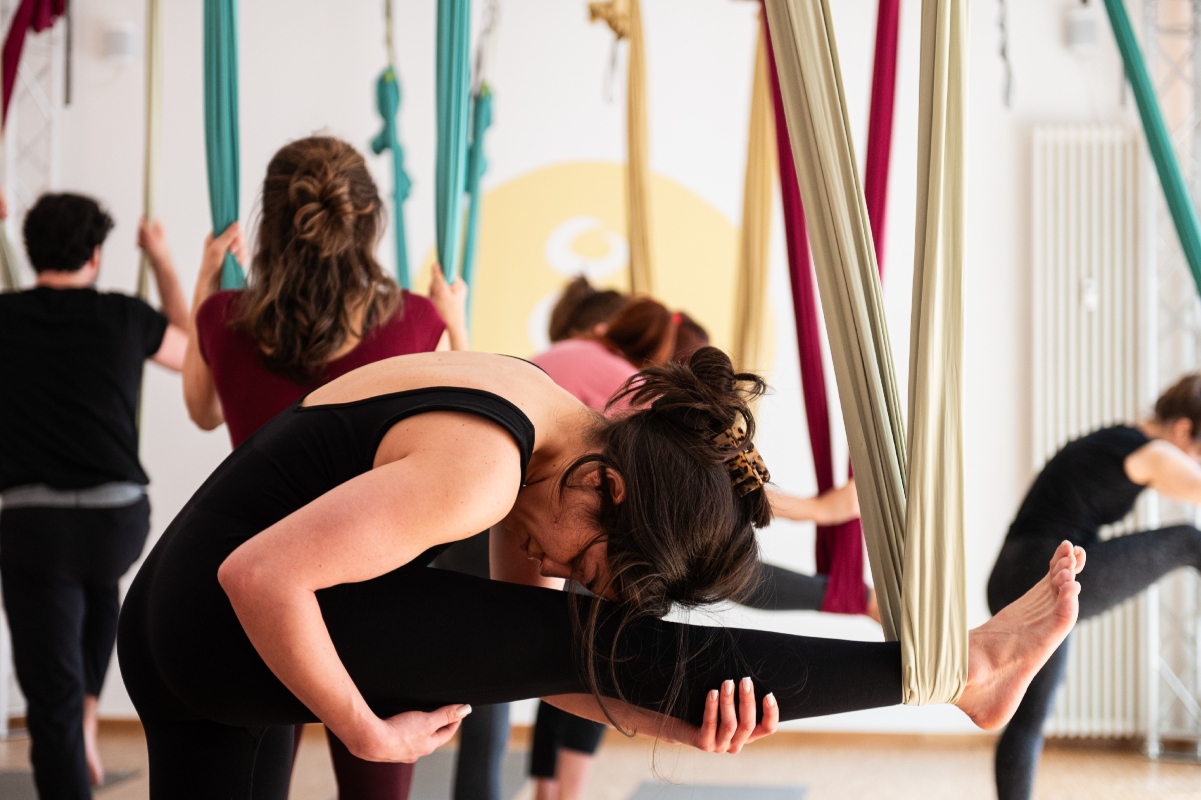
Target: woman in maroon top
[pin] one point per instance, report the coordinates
(317, 306)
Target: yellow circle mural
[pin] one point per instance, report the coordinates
(543, 228)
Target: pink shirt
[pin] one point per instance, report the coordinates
(587, 369)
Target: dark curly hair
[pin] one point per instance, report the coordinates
(314, 265)
(62, 231)
(682, 536)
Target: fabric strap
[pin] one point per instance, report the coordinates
(915, 540)
(624, 17)
(880, 121)
(154, 113)
(838, 548)
(1159, 141)
(750, 296)
(221, 123)
(477, 164)
(387, 102)
(37, 15)
(454, 110)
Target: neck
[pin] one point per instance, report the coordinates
(1153, 429)
(80, 279)
(573, 437)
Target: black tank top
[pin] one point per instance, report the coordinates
(1083, 487)
(176, 614)
(288, 463)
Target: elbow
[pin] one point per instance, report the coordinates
(239, 579)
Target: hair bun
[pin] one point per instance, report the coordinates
(325, 211)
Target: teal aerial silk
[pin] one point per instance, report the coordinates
(1180, 203)
(453, 108)
(481, 118)
(387, 100)
(221, 123)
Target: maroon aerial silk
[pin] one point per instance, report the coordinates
(839, 547)
(36, 14)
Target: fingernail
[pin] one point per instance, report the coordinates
(713, 695)
(464, 710)
(770, 700)
(746, 684)
(727, 687)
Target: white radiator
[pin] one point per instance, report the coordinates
(1090, 358)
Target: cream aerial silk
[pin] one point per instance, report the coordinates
(624, 17)
(914, 537)
(750, 298)
(154, 114)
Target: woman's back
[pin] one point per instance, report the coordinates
(1083, 487)
(251, 393)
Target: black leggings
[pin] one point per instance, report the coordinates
(1116, 570)
(59, 568)
(782, 589)
(417, 639)
(555, 730)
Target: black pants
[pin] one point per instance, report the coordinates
(420, 638)
(1116, 571)
(779, 589)
(782, 589)
(556, 729)
(59, 568)
(484, 734)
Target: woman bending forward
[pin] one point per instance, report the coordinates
(292, 587)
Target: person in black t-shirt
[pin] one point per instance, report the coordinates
(73, 510)
(1095, 481)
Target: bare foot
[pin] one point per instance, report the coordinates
(91, 724)
(1005, 653)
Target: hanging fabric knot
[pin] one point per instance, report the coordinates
(747, 470)
(387, 102)
(614, 13)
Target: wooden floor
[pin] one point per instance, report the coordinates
(831, 766)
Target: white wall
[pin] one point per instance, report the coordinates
(309, 65)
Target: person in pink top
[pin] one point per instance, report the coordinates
(317, 306)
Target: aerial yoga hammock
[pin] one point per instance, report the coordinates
(839, 547)
(1159, 142)
(453, 107)
(387, 101)
(154, 114)
(624, 17)
(911, 496)
(35, 15)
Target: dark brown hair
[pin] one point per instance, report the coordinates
(1182, 400)
(644, 332)
(314, 266)
(62, 231)
(581, 308)
(690, 337)
(681, 536)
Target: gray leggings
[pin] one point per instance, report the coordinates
(1116, 570)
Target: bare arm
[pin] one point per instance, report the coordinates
(736, 729)
(829, 508)
(153, 242)
(451, 301)
(199, 389)
(171, 352)
(357, 531)
(1162, 466)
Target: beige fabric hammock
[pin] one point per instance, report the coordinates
(154, 114)
(912, 504)
(624, 17)
(750, 295)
